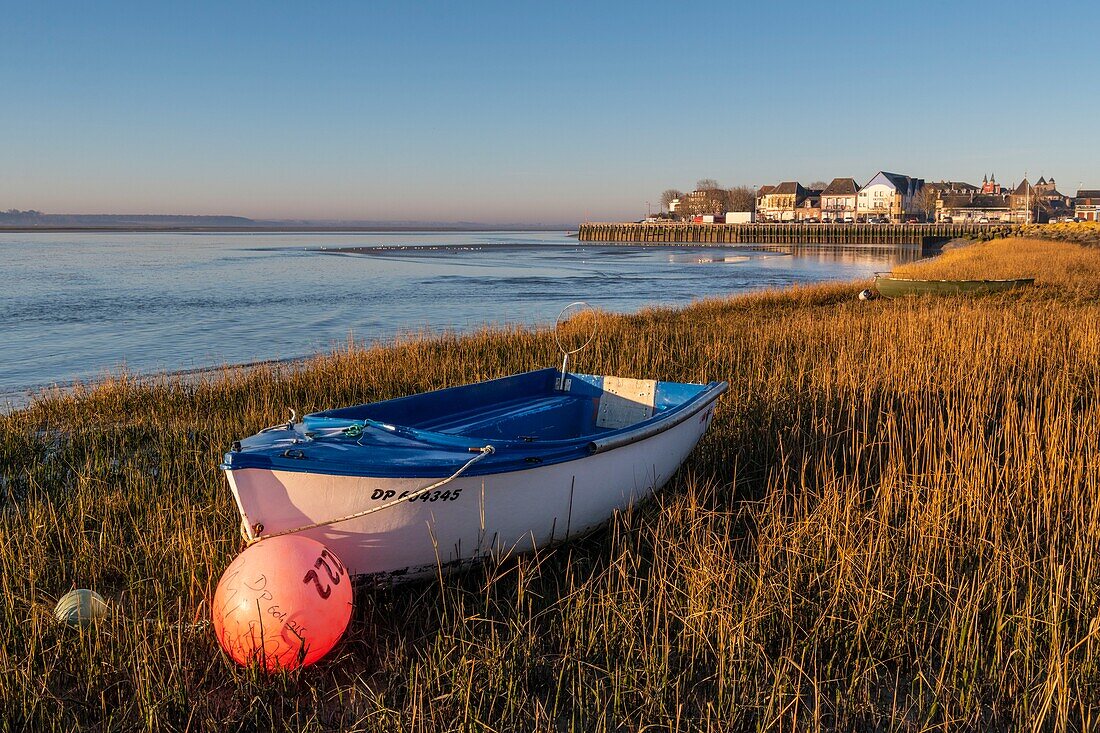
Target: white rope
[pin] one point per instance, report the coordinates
(486, 451)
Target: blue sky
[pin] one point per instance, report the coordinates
(524, 111)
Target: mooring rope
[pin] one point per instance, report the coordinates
(482, 453)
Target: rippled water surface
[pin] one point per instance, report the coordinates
(75, 306)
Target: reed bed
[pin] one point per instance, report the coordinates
(1062, 268)
(893, 524)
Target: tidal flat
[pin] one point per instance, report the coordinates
(76, 306)
(893, 523)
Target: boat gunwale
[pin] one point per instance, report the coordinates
(557, 451)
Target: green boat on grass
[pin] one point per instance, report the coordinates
(894, 287)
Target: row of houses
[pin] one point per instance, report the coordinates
(893, 197)
(1026, 202)
(886, 197)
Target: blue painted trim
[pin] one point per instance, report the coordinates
(388, 450)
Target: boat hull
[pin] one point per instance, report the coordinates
(469, 518)
(891, 287)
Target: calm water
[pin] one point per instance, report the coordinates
(75, 306)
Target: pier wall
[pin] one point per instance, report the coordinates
(882, 235)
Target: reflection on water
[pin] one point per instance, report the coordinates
(850, 254)
(77, 305)
(708, 258)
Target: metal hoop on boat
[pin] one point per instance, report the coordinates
(566, 353)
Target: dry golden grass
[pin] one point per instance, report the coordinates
(894, 523)
(1065, 266)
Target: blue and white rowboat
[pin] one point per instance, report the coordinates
(401, 487)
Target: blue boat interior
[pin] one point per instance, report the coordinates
(527, 406)
(527, 419)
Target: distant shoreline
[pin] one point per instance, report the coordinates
(18, 399)
(275, 229)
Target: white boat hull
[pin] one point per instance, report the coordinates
(467, 519)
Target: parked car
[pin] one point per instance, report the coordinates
(947, 220)
(912, 221)
(983, 220)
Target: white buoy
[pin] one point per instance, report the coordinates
(80, 606)
(866, 295)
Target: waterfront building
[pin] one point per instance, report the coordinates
(712, 201)
(838, 200)
(1046, 188)
(955, 187)
(1054, 203)
(1086, 205)
(965, 203)
(780, 202)
(943, 188)
(974, 208)
(810, 208)
(1021, 197)
(990, 187)
(887, 195)
(942, 196)
(1044, 200)
(760, 194)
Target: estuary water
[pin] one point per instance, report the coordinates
(76, 306)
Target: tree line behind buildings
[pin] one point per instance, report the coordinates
(709, 198)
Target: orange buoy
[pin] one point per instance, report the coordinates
(282, 604)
